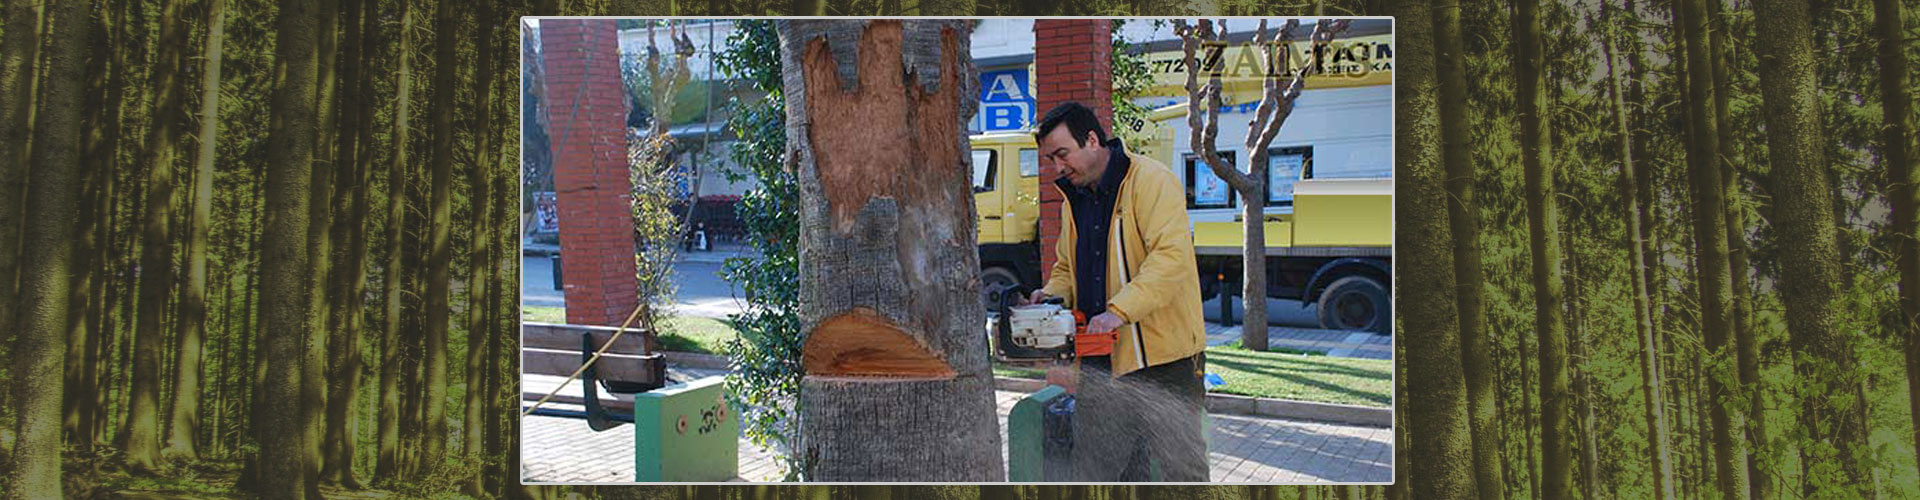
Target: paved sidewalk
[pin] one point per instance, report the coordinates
(1336, 343)
(1241, 449)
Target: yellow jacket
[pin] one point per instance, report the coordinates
(1157, 293)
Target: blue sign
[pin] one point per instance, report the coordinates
(1006, 101)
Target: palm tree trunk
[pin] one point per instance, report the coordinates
(1803, 215)
(903, 237)
(1436, 383)
(34, 471)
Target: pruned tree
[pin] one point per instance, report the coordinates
(895, 384)
(1276, 104)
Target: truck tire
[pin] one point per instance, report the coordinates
(1356, 303)
(994, 277)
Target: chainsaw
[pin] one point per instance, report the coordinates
(1044, 331)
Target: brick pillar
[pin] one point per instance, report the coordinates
(587, 114)
(1072, 62)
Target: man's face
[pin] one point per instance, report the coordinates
(1081, 165)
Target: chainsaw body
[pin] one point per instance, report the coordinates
(1044, 332)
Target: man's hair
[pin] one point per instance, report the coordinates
(1078, 118)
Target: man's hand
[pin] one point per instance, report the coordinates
(1104, 323)
(1035, 297)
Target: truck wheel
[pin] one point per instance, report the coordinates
(1356, 303)
(992, 279)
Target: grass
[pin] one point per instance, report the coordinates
(1283, 375)
(677, 333)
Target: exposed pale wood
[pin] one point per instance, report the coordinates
(860, 342)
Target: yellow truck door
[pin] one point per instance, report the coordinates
(988, 197)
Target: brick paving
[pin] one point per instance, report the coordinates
(1329, 342)
(1241, 449)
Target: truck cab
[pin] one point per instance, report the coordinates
(1006, 193)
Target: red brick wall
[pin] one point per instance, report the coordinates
(1072, 62)
(587, 114)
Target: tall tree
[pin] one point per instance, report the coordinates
(313, 365)
(348, 236)
(284, 459)
(478, 283)
(1438, 394)
(388, 464)
(904, 237)
(1896, 145)
(184, 418)
(156, 246)
(1659, 455)
(1803, 215)
(53, 199)
(1710, 240)
(22, 37)
(440, 256)
(1543, 220)
(1463, 215)
(1748, 425)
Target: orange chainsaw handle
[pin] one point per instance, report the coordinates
(1090, 344)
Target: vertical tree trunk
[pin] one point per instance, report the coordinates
(17, 72)
(388, 465)
(1716, 296)
(1803, 214)
(284, 458)
(481, 179)
(888, 267)
(343, 336)
(1436, 382)
(95, 157)
(92, 404)
(440, 259)
(1659, 456)
(1896, 109)
(156, 249)
(184, 419)
(1543, 220)
(1749, 424)
(34, 471)
(313, 365)
(1463, 215)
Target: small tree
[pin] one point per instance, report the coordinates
(657, 230)
(1276, 104)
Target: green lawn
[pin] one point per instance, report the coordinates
(678, 333)
(1325, 379)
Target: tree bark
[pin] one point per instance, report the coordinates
(1463, 215)
(440, 257)
(17, 73)
(156, 249)
(34, 471)
(888, 262)
(481, 179)
(388, 465)
(184, 418)
(345, 235)
(96, 157)
(1803, 214)
(1436, 382)
(285, 461)
(1711, 246)
(1659, 455)
(1750, 424)
(1896, 109)
(1543, 220)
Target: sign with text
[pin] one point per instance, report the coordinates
(1006, 101)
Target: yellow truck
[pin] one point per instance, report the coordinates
(1330, 245)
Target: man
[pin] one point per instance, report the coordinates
(1125, 260)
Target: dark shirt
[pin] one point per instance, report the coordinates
(1092, 216)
